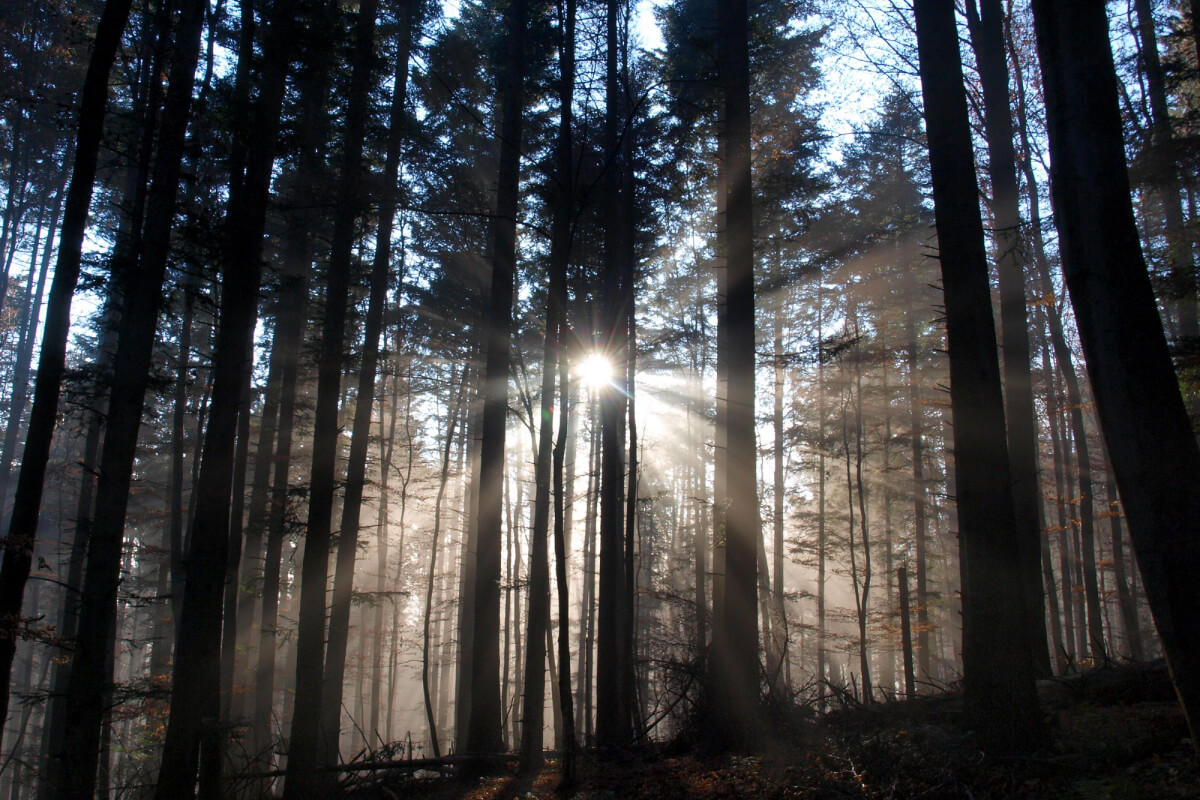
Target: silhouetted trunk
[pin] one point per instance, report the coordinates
(910, 679)
(195, 684)
(775, 671)
(920, 504)
(612, 717)
(339, 617)
(987, 39)
(27, 326)
(553, 362)
(229, 624)
(1145, 423)
(164, 644)
(309, 743)
(1164, 171)
(738, 652)
(18, 551)
(998, 681)
(821, 543)
(73, 770)
(484, 733)
(1125, 599)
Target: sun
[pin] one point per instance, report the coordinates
(595, 371)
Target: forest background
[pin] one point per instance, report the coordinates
(399, 377)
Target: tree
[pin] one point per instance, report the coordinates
(484, 731)
(195, 682)
(18, 551)
(1154, 453)
(738, 653)
(998, 686)
(987, 39)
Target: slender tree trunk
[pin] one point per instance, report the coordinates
(309, 743)
(195, 685)
(612, 717)
(484, 732)
(910, 679)
(1164, 166)
(1128, 604)
(73, 770)
(339, 618)
(539, 570)
(452, 413)
(998, 679)
(987, 39)
(18, 552)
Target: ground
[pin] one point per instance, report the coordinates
(1114, 734)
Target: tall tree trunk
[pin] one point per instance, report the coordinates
(612, 729)
(920, 505)
(73, 770)
(775, 672)
(998, 680)
(310, 744)
(18, 551)
(987, 38)
(27, 327)
(1145, 423)
(738, 652)
(539, 569)
(195, 683)
(339, 617)
(484, 733)
(1164, 166)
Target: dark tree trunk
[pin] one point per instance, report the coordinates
(195, 684)
(309, 744)
(452, 414)
(987, 39)
(998, 680)
(1125, 599)
(73, 769)
(339, 618)
(484, 732)
(1145, 423)
(737, 656)
(1164, 168)
(920, 504)
(18, 551)
(612, 718)
(560, 259)
(539, 569)
(910, 680)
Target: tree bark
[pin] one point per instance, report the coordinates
(484, 732)
(738, 654)
(998, 681)
(195, 684)
(987, 38)
(18, 551)
(339, 617)
(1145, 423)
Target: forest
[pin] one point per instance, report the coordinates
(599, 398)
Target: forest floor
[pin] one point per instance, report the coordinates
(1115, 734)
